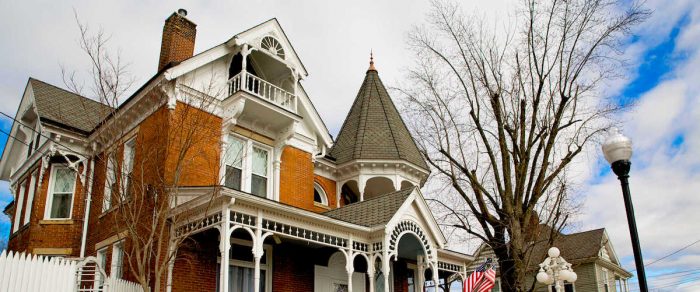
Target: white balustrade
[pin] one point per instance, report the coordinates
(263, 89)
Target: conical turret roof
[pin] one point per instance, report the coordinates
(374, 129)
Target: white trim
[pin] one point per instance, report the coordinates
(19, 199)
(50, 194)
(322, 193)
(110, 174)
(247, 163)
(117, 246)
(267, 266)
(30, 197)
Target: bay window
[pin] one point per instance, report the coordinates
(247, 166)
(59, 203)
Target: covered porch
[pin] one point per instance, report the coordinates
(248, 243)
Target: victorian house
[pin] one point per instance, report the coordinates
(267, 199)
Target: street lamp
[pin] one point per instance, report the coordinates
(555, 270)
(618, 151)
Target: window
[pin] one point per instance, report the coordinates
(234, 163)
(128, 165)
(102, 263)
(30, 198)
(568, 287)
(247, 166)
(19, 199)
(606, 286)
(320, 195)
(61, 188)
(273, 46)
(110, 182)
(259, 173)
(117, 260)
(242, 268)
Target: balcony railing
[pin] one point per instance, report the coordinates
(263, 89)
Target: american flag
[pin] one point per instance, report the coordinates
(482, 279)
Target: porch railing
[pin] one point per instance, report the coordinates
(263, 89)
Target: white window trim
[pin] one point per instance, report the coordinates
(321, 193)
(125, 179)
(49, 193)
(19, 199)
(30, 198)
(119, 245)
(247, 164)
(267, 267)
(101, 255)
(110, 170)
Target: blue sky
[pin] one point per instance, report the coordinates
(663, 83)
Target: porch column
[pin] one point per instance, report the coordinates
(370, 274)
(420, 279)
(258, 251)
(350, 270)
(244, 64)
(224, 248)
(436, 276)
(386, 268)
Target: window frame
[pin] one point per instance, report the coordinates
(50, 192)
(126, 175)
(247, 164)
(322, 193)
(108, 191)
(31, 193)
(19, 199)
(114, 264)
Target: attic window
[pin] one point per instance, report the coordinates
(273, 46)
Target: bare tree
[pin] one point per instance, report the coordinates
(501, 114)
(142, 184)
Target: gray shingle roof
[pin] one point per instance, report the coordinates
(575, 247)
(374, 129)
(373, 212)
(67, 108)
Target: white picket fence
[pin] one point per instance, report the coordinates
(25, 272)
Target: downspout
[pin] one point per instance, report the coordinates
(88, 199)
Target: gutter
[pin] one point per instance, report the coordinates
(88, 200)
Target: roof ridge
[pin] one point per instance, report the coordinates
(391, 129)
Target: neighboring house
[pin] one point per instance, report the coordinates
(590, 253)
(292, 213)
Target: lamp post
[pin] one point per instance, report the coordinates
(618, 151)
(555, 270)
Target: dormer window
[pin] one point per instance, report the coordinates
(273, 46)
(320, 195)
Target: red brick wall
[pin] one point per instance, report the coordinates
(196, 264)
(297, 181)
(42, 233)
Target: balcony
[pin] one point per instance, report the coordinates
(267, 91)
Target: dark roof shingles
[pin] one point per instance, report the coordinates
(374, 128)
(373, 212)
(67, 108)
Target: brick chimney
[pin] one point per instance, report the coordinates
(178, 39)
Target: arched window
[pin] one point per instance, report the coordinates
(273, 46)
(320, 195)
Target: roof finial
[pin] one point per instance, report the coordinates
(371, 61)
